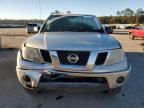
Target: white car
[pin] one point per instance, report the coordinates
(32, 28)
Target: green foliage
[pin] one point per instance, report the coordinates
(19, 22)
(126, 12)
(126, 16)
(139, 12)
(121, 19)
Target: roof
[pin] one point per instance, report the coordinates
(69, 14)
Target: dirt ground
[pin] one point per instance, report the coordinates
(128, 44)
(13, 32)
(12, 37)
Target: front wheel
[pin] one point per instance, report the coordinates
(131, 36)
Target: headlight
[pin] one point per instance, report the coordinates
(31, 54)
(115, 56)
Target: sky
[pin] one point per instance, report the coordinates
(30, 9)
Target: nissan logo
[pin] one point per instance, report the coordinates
(72, 58)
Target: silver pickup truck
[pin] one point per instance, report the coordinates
(74, 51)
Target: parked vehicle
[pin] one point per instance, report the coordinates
(122, 26)
(72, 51)
(136, 33)
(32, 28)
(129, 27)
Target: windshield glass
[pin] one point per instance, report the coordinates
(73, 24)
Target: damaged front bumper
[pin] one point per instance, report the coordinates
(35, 72)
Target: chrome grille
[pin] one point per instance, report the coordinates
(82, 55)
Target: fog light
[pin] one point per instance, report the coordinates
(26, 78)
(120, 80)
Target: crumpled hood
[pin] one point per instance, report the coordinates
(73, 41)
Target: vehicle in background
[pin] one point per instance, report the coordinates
(138, 32)
(108, 29)
(32, 28)
(122, 26)
(129, 27)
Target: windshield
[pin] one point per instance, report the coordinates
(72, 24)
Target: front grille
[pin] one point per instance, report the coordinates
(101, 58)
(83, 57)
(46, 56)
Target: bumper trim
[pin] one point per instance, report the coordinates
(72, 86)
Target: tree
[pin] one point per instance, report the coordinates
(128, 12)
(122, 13)
(138, 15)
(139, 12)
(57, 12)
(68, 12)
(118, 13)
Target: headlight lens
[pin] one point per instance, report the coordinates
(115, 56)
(31, 54)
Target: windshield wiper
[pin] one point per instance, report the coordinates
(82, 30)
(92, 30)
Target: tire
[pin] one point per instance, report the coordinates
(131, 36)
(113, 92)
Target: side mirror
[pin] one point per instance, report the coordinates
(36, 29)
(109, 30)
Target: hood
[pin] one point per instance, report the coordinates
(72, 41)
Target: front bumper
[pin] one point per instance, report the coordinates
(35, 76)
(35, 71)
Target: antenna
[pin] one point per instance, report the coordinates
(40, 8)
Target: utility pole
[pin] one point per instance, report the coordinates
(40, 8)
